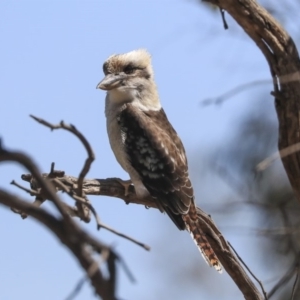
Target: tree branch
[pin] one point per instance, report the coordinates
(64, 227)
(113, 188)
(283, 59)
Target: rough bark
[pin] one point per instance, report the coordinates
(283, 59)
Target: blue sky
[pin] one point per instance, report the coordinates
(51, 61)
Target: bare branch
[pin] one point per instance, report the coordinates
(280, 154)
(236, 90)
(285, 278)
(70, 235)
(64, 228)
(223, 18)
(282, 56)
(228, 259)
(99, 223)
(68, 184)
(83, 211)
(113, 188)
(295, 283)
(81, 137)
(146, 247)
(77, 198)
(30, 192)
(252, 274)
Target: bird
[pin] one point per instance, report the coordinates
(147, 146)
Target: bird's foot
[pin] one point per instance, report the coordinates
(126, 184)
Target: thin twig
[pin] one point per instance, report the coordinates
(32, 168)
(283, 280)
(29, 191)
(91, 271)
(279, 154)
(83, 212)
(126, 269)
(99, 223)
(37, 202)
(69, 234)
(245, 265)
(295, 283)
(72, 211)
(222, 11)
(83, 201)
(72, 129)
(52, 168)
(146, 247)
(291, 244)
(77, 288)
(238, 89)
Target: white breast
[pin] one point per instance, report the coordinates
(117, 139)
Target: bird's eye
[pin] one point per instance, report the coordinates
(105, 68)
(129, 69)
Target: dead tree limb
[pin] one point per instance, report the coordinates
(113, 188)
(283, 59)
(82, 209)
(67, 231)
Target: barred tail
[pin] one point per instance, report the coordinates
(200, 239)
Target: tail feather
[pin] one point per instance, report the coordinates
(198, 236)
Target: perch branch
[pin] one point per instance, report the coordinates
(67, 231)
(113, 188)
(83, 210)
(91, 156)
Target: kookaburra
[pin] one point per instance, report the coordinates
(147, 146)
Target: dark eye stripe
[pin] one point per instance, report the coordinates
(129, 69)
(105, 65)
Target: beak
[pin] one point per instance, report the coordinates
(110, 81)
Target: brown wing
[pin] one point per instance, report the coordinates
(157, 154)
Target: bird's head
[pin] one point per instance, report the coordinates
(129, 78)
